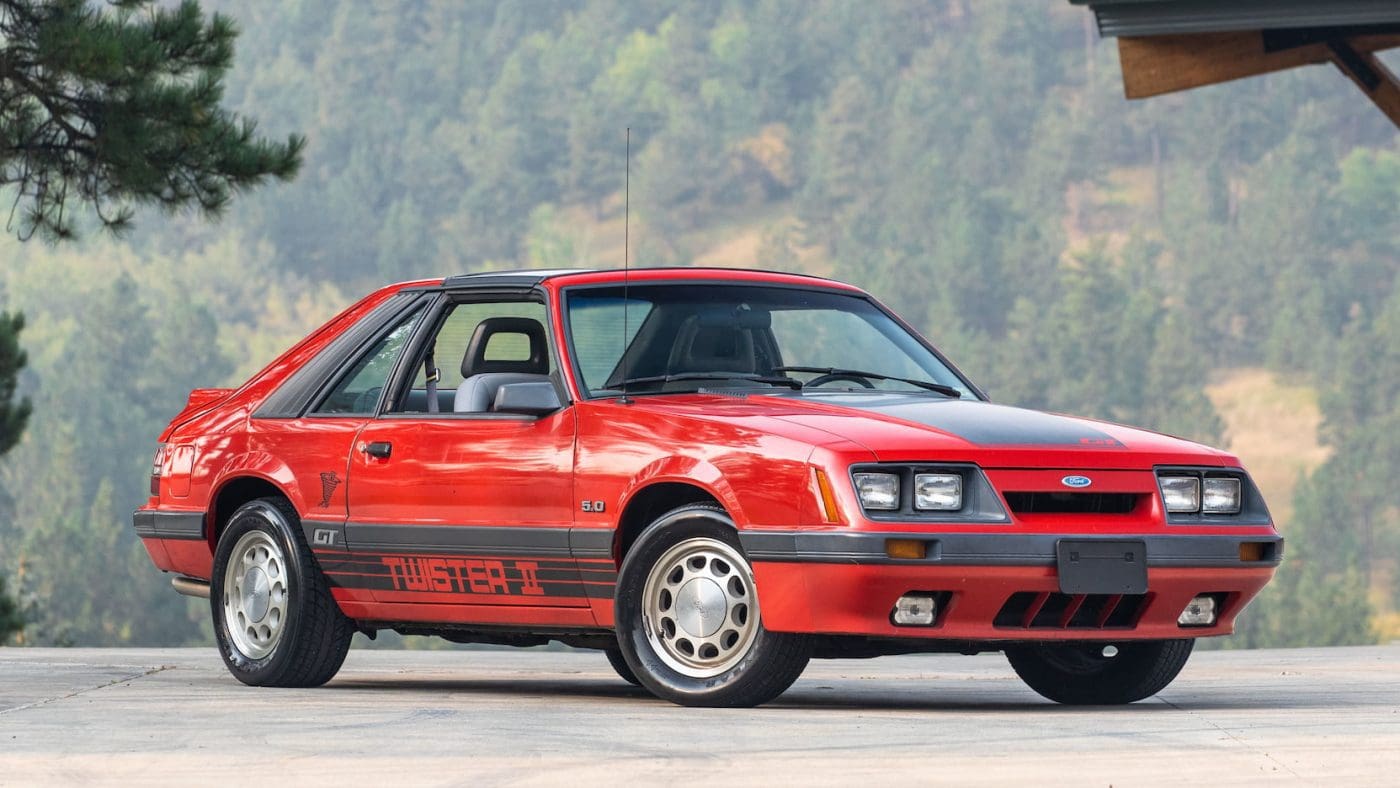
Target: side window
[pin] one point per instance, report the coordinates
(358, 391)
(475, 340)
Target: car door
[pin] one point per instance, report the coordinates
(468, 505)
(312, 420)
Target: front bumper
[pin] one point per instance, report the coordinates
(997, 587)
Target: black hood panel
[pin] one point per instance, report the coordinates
(982, 422)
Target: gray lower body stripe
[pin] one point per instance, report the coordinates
(962, 549)
(527, 540)
(151, 524)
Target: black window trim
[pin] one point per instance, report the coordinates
(298, 394)
(405, 370)
(586, 394)
(420, 305)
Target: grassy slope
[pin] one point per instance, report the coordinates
(1272, 426)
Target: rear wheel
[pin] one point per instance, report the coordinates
(1100, 674)
(688, 621)
(274, 619)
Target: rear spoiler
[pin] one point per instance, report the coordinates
(201, 397)
(200, 400)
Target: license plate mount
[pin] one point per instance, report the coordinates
(1102, 566)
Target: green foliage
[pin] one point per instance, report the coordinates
(118, 107)
(13, 414)
(13, 417)
(11, 616)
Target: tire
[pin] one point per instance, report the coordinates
(713, 649)
(274, 619)
(1080, 674)
(619, 664)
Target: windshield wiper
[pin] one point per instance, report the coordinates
(771, 380)
(947, 391)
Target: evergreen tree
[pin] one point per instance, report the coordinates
(121, 107)
(13, 416)
(112, 109)
(11, 616)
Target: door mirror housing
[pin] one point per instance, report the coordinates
(531, 399)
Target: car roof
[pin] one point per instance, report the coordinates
(584, 276)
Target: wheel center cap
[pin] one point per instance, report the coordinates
(700, 607)
(257, 594)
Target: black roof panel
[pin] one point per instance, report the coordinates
(518, 278)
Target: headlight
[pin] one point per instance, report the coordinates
(938, 491)
(1221, 495)
(879, 491)
(1181, 493)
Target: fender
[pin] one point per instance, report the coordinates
(257, 465)
(685, 470)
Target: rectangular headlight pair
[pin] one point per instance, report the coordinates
(933, 492)
(1191, 494)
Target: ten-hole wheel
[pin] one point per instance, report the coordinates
(688, 618)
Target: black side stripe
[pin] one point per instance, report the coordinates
(168, 525)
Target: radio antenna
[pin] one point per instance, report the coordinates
(626, 252)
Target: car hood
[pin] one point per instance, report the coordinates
(900, 427)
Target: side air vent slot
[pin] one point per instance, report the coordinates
(1045, 610)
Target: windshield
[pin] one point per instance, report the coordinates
(686, 337)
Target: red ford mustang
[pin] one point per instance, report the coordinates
(712, 475)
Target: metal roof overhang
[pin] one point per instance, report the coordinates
(1171, 45)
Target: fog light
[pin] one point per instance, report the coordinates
(1199, 613)
(915, 610)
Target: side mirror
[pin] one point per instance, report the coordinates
(536, 398)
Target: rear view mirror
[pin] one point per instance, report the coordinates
(535, 398)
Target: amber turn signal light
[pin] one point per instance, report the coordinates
(1252, 551)
(828, 498)
(916, 549)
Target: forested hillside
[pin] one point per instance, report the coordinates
(971, 163)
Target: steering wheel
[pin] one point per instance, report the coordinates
(822, 380)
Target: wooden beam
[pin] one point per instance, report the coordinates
(1153, 65)
(1371, 75)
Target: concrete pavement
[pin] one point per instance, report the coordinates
(140, 716)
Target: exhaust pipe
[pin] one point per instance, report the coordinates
(191, 587)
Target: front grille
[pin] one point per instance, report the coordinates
(1044, 610)
(1071, 502)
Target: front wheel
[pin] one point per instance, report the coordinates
(619, 664)
(274, 619)
(1100, 674)
(688, 620)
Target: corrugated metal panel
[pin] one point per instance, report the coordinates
(1159, 17)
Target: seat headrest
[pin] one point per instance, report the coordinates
(705, 347)
(475, 361)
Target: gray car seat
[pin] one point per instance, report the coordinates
(482, 378)
(704, 347)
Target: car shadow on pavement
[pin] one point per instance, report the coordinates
(928, 696)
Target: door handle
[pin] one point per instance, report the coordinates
(380, 449)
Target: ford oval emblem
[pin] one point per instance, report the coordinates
(1076, 481)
